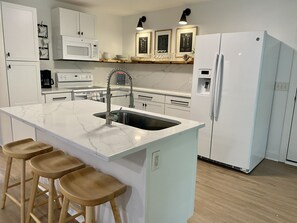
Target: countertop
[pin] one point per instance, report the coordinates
(73, 122)
(121, 87)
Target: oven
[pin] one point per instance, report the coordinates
(81, 85)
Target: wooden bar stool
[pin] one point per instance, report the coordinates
(52, 165)
(89, 188)
(24, 150)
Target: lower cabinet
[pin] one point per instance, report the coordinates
(149, 102)
(57, 97)
(178, 107)
(149, 106)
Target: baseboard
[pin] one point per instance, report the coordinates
(272, 156)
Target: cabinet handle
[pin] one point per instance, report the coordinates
(143, 97)
(182, 103)
(82, 33)
(145, 105)
(59, 98)
(9, 67)
(78, 32)
(8, 54)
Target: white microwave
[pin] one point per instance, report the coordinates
(75, 48)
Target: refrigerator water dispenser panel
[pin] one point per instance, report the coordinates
(204, 85)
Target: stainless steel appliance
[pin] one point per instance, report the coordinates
(81, 85)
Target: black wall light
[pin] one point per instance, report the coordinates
(183, 18)
(139, 24)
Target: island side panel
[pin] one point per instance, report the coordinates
(130, 170)
(171, 187)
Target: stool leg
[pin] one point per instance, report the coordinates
(90, 214)
(51, 201)
(116, 214)
(6, 181)
(23, 184)
(64, 210)
(32, 196)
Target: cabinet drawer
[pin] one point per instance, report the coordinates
(177, 111)
(149, 97)
(50, 98)
(178, 101)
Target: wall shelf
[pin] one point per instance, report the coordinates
(146, 62)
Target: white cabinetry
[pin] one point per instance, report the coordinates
(20, 40)
(73, 23)
(149, 102)
(57, 97)
(20, 32)
(177, 107)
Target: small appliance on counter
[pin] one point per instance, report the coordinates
(46, 79)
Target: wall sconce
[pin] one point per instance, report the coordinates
(183, 18)
(139, 24)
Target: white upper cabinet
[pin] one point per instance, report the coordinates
(73, 23)
(20, 32)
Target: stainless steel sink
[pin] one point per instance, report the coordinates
(139, 120)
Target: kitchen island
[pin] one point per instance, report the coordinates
(159, 167)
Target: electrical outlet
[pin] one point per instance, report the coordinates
(155, 160)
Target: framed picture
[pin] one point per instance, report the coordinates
(42, 31)
(185, 41)
(143, 44)
(43, 53)
(163, 43)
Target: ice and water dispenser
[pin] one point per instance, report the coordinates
(204, 81)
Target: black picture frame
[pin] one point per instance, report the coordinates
(42, 31)
(43, 53)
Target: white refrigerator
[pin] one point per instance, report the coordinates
(232, 92)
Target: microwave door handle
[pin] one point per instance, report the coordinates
(91, 53)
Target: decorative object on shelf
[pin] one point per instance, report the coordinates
(163, 43)
(42, 31)
(43, 41)
(139, 24)
(43, 53)
(185, 41)
(183, 18)
(143, 44)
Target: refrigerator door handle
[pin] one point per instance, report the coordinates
(218, 89)
(215, 74)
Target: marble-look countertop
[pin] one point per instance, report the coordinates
(122, 87)
(55, 90)
(73, 122)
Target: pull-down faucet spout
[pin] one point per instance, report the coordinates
(109, 116)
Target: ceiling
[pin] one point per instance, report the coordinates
(130, 7)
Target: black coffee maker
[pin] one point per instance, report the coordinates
(46, 79)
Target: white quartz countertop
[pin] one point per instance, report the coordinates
(55, 90)
(73, 122)
(122, 87)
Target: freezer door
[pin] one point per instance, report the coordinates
(232, 132)
(292, 149)
(207, 49)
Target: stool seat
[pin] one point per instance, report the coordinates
(25, 149)
(89, 187)
(55, 164)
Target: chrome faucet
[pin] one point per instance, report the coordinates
(110, 117)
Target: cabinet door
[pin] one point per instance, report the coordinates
(20, 32)
(177, 111)
(69, 22)
(139, 104)
(154, 107)
(23, 83)
(87, 25)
